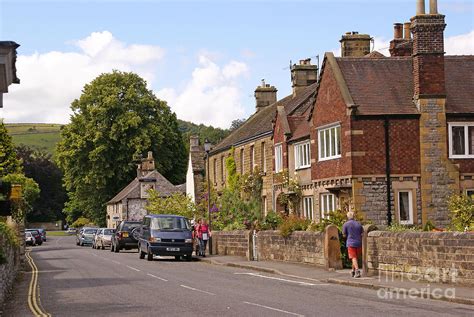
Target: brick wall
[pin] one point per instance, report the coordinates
(428, 256)
(231, 242)
(301, 246)
(8, 270)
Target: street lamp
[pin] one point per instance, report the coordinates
(207, 148)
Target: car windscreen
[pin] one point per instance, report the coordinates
(28, 234)
(109, 231)
(170, 223)
(130, 226)
(90, 231)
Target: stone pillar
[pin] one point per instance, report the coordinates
(332, 248)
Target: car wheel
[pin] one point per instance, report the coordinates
(142, 254)
(188, 257)
(77, 242)
(102, 246)
(149, 255)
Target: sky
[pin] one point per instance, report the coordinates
(205, 58)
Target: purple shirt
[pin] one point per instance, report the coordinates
(353, 231)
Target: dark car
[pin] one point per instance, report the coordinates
(37, 235)
(43, 233)
(166, 235)
(125, 236)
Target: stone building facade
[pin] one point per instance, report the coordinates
(196, 171)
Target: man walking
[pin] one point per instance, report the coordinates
(353, 230)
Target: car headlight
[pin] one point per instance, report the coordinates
(154, 239)
(188, 241)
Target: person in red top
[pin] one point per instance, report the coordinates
(196, 246)
(203, 234)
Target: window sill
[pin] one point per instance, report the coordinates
(329, 158)
(461, 157)
(302, 168)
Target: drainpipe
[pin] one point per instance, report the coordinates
(387, 170)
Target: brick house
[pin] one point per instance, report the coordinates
(395, 135)
(252, 141)
(130, 202)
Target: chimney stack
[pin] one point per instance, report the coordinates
(401, 45)
(406, 31)
(354, 44)
(303, 75)
(265, 95)
(397, 31)
(193, 143)
(147, 165)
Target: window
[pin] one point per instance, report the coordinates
(278, 158)
(241, 161)
(302, 155)
(223, 168)
(308, 207)
(265, 205)
(405, 207)
(214, 172)
(328, 203)
(470, 193)
(252, 158)
(329, 140)
(461, 140)
(263, 158)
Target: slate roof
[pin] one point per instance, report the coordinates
(384, 85)
(260, 123)
(132, 190)
(299, 127)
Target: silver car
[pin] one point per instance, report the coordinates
(85, 236)
(103, 238)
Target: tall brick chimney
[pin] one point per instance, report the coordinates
(303, 75)
(147, 165)
(428, 50)
(265, 95)
(439, 176)
(402, 44)
(354, 44)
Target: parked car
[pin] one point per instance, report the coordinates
(43, 234)
(85, 236)
(29, 239)
(125, 236)
(104, 238)
(37, 235)
(71, 231)
(166, 235)
(96, 236)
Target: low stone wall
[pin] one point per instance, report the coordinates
(232, 243)
(300, 246)
(437, 257)
(48, 226)
(8, 270)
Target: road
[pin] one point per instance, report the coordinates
(81, 281)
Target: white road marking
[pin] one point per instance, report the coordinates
(132, 268)
(197, 290)
(116, 262)
(280, 279)
(160, 278)
(275, 309)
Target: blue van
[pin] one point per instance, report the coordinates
(165, 235)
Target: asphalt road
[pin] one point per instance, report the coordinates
(81, 281)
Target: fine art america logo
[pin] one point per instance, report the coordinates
(414, 274)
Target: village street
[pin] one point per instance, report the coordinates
(81, 281)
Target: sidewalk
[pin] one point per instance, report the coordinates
(385, 286)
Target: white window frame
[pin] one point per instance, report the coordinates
(302, 154)
(278, 158)
(469, 190)
(308, 207)
(466, 126)
(322, 142)
(252, 158)
(410, 220)
(326, 198)
(264, 158)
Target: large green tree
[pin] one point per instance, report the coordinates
(38, 165)
(115, 121)
(9, 163)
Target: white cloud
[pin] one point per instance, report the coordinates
(212, 95)
(52, 80)
(460, 44)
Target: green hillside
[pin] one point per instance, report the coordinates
(37, 135)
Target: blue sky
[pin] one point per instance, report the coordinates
(207, 55)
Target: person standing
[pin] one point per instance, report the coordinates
(196, 243)
(353, 230)
(203, 235)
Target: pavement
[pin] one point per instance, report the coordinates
(81, 281)
(386, 285)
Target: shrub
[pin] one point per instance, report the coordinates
(396, 227)
(81, 222)
(9, 237)
(235, 226)
(461, 208)
(293, 223)
(272, 221)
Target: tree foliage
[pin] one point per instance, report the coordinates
(9, 163)
(461, 208)
(176, 204)
(38, 165)
(29, 193)
(236, 124)
(115, 121)
(214, 135)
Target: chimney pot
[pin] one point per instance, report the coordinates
(397, 31)
(406, 28)
(433, 6)
(420, 7)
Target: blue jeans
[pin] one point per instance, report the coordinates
(202, 246)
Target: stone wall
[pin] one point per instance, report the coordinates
(49, 226)
(444, 257)
(232, 243)
(300, 246)
(8, 270)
